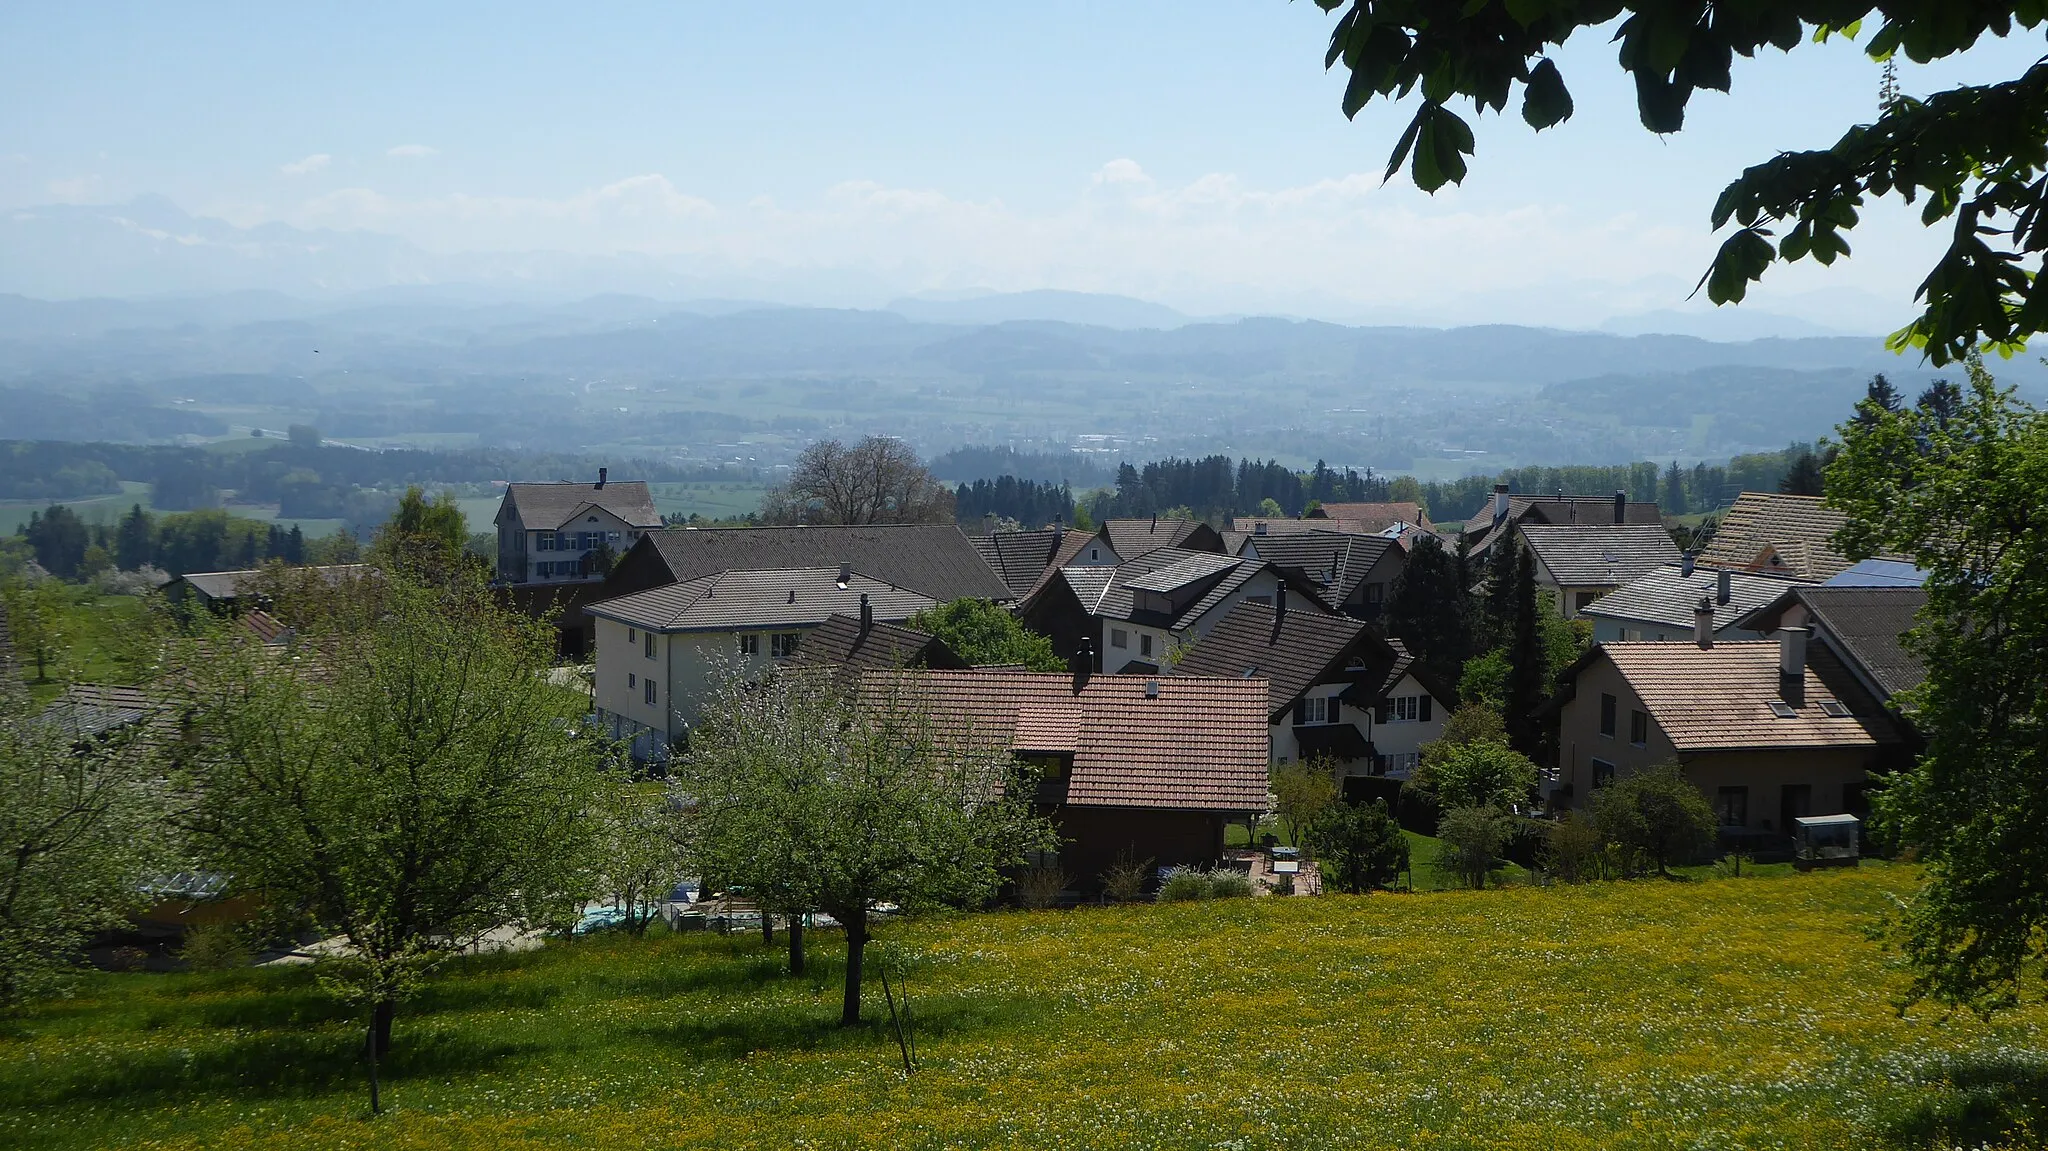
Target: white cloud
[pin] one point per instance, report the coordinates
(412, 151)
(77, 190)
(307, 166)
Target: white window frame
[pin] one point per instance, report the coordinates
(782, 644)
(1315, 709)
(1118, 637)
(750, 644)
(647, 642)
(1144, 643)
(648, 691)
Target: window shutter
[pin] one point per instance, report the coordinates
(1382, 711)
(1334, 709)
(1425, 708)
(1300, 712)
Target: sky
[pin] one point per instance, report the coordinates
(1190, 152)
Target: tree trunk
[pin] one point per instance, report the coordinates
(767, 927)
(856, 941)
(796, 944)
(373, 1047)
(381, 1027)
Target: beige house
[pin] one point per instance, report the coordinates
(548, 533)
(661, 653)
(1769, 731)
(1580, 564)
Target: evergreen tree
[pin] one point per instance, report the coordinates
(1805, 477)
(1881, 394)
(1940, 402)
(1428, 610)
(1500, 591)
(1674, 491)
(295, 546)
(135, 539)
(1528, 662)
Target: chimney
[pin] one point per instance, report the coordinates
(845, 575)
(1259, 529)
(988, 523)
(1703, 623)
(1724, 588)
(1792, 665)
(601, 474)
(1155, 521)
(1685, 565)
(867, 615)
(1500, 502)
(1081, 663)
(1059, 531)
(1280, 603)
(1620, 506)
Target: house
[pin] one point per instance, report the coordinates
(863, 642)
(1581, 564)
(662, 652)
(1132, 617)
(1863, 627)
(1507, 511)
(223, 592)
(935, 560)
(1355, 573)
(552, 533)
(1133, 768)
(1372, 518)
(1771, 531)
(1134, 538)
(1769, 731)
(1662, 604)
(1026, 559)
(1336, 689)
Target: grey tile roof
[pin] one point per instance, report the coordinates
(545, 506)
(763, 599)
(933, 559)
(1117, 600)
(840, 641)
(1666, 598)
(1020, 558)
(1292, 651)
(1554, 510)
(1183, 573)
(228, 585)
(1133, 538)
(1343, 557)
(1865, 624)
(1609, 554)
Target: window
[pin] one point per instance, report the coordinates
(1118, 637)
(1607, 706)
(1399, 761)
(1783, 710)
(1315, 709)
(1638, 727)
(632, 681)
(1406, 709)
(782, 645)
(544, 541)
(1094, 553)
(1731, 806)
(1144, 645)
(750, 645)
(649, 694)
(1603, 773)
(647, 639)
(1375, 593)
(632, 636)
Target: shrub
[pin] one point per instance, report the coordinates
(1571, 848)
(1040, 887)
(1229, 883)
(1182, 885)
(1656, 815)
(1476, 774)
(1472, 838)
(1125, 880)
(215, 947)
(1359, 846)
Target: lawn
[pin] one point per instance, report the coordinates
(101, 640)
(1726, 1013)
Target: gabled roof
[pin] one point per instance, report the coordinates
(932, 559)
(841, 641)
(1483, 530)
(1197, 744)
(1796, 530)
(1020, 558)
(1184, 573)
(1343, 558)
(1117, 598)
(1292, 650)
(1719, 698)
(1133, 538)
(1067, 552)
(1666, 597)
(229, 585)
(89, 710)
(1610, 554)
(759, 599)
(542, 507)
(1864, 625)
(1370, 518)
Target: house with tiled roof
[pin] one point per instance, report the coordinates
(1580, 564)
(1131, 617)
(862, 642)
(1132, 768)
(1026, 559)
(1771, 531)
(663, 651)
(223, 592)
(551, 532)
(1507, 511)
(1354, 573)
(1373, 518)
(1337, 690)
(1134, 538)
(1767, 730)
(1864, 628)
(935, 560)
(1664, 603)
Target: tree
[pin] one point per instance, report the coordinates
(1674, 491)
(1302, 792)
(1805, 478)
(34, 614)
(78, 834)
(135, 539)
(428, 533)
(412, 786)
(1485, 680)
(1429, 611)
(1968, 502)
(639, 854)
(1528, 661)
(1571, 846)
(59, 538)
(1973, 153)
(1500, 591)
(816, 795)
(1358, 846)
(982, 633)
(877, 481)
(1469, 842)
(1940, 402)
(1478, 773)
(1269, 508)
(1655, 813)
(1882, 397)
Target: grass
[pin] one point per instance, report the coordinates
(1651, 1014)
(98, 642)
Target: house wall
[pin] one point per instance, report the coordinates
(1567, 595)
(1363, 604)
(687, 668)
(527, 568)
(1394, 737)
(1093, 839)
(1579, 741)
(511, 541)
(1405, 736)
(1610, 629)
(1163, 639)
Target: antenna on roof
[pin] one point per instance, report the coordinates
(792, 595)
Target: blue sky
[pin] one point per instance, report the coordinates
(1191, 151)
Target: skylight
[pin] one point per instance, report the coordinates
(1836, 709)
(1783, 710)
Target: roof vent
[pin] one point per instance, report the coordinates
(792, 595)
(1151, 689)
(1259, 529)
(1724, 587)
(845, 575)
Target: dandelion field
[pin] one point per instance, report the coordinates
(1716, 1014)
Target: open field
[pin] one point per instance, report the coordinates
(1729, 1013)
(100, 640)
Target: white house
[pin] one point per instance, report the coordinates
(547, 533)
(1665, 602)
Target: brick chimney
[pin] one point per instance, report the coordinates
(601, 474)
(1703, 623)
(1620, 506)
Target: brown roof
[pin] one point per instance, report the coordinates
(841, 641)
(1559, 510)
(933, 559)
(548, 506)
(727, 601)
(1019, 557)
(1368, 518)
(1199, 744)
(1133, 538)
(1343, 559)
(1719, 698)
(1796, 530)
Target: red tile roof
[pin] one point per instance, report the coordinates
(1719, 698)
